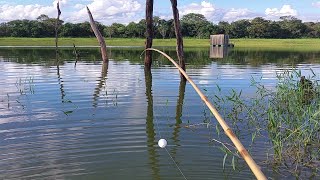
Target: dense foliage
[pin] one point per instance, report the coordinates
(193, 25)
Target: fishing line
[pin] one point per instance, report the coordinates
(162, 144)
(175, 163)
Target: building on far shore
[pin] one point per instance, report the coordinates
(220, 40)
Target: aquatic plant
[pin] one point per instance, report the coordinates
(289, 114)
(25, 85)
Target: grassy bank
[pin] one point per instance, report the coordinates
(276, 44)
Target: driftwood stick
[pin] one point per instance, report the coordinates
(244, 153)
(100, 38)
(57, 25)
(149, 33)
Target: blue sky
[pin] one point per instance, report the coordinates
(125, 11)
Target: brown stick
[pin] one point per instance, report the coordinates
(177, 28)
(149, 33)
(244, 153)
(57, 26)
(76, 54)
(99, 37)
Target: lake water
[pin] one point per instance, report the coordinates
(94, 122)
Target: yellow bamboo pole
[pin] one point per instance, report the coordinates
(244, 153)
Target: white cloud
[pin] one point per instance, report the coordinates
(205, 8)
(216, 14)
(316, 4)
(104, 11)
(109, 11)
(237, 14)
(79, 6)
(286, 10)
(61, 2)
(125, 11)
(9, 12)
(310, 17)
(13, 12)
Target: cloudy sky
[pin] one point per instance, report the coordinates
(124, 11)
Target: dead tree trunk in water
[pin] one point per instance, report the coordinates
(177, 28)
(57, 26)
(100, 38)
(149, 34)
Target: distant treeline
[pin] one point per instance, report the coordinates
(193, 25)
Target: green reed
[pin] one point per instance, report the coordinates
(25, 85)
(289, 114)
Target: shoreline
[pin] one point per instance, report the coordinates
(269, 44)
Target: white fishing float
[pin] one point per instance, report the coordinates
(162, 143)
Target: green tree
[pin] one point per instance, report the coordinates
(193, 18)
(48, 25)
(141, 28)
(131, 30)
(239, 29)
(19, 28)
(85, 29)
(259, 28)
(109, 31)
(163, 28)
(43, 17)
(119, 29)
(171, 32)
(314, 30)
(294, 26)
(194, 25)
(70, 30)
(223, 28)
(4, 30)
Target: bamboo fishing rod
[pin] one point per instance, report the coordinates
(244, 153)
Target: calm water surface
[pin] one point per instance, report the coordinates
(90, 121)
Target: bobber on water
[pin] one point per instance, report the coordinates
(162, 143)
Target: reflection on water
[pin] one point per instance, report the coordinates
(103, 121)
(150, 127)
(177, 125)
(195, 56)
(60, 82)
(219, 52)
(101, 83)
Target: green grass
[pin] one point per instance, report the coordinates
(279, 44)
(275, 44)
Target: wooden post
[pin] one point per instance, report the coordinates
(149, 34)
(100, 38)
(182, 89)
(177, 28)
(57, 26)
